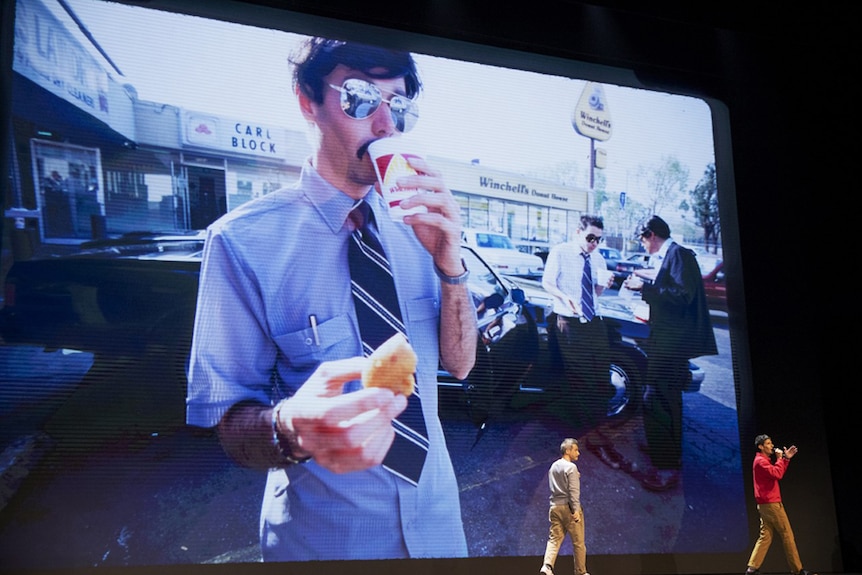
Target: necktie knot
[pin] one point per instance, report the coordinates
(360, 215)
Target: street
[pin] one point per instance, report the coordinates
(123, 482)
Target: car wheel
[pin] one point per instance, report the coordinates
(627, 389)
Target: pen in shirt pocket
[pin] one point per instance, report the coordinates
(312, 320)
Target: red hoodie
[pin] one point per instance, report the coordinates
(766, 476)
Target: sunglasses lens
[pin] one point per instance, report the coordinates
(360, 99)
(404, 112)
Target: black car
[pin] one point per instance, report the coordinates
(621, 267)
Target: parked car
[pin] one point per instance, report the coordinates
(626, 333)
(135, 296)
(502, 255)
(640, 259)
(712, 271)
(621, 268)
(714, 284)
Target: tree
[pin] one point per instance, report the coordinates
(565, 173)
(664, 183)
(704, 206)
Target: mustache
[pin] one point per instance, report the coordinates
(363, 149)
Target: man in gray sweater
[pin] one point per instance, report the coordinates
(566, 514)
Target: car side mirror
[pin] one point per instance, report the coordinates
(493, 301)
(518, 296)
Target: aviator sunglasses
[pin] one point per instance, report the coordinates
(594, 239)
(360, 99)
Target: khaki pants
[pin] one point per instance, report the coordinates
(773, 521)
(562, 522)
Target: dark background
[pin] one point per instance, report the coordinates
(785, 74)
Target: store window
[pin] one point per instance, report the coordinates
(538, 231)
(478, 213)
(69, 189)
(517, 221)
(497, 216)
(463, 207)
(248, 182)
(557, 232)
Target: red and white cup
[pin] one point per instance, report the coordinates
(390, 158)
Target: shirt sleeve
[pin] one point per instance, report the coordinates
(574, 479)
(232, 357)
(776, 471)
(550, 279)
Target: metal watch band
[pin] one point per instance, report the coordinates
(453, 280)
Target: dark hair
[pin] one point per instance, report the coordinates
(566, 444)
(760, 440)
(588, 220)
(655, 225)
(317, 57)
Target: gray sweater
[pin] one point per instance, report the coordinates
(564, 479)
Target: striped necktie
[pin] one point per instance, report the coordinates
(588, 311)
(379, 317)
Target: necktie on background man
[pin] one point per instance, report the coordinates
(379, 318)
(588, 311)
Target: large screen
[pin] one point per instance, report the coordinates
(133, 128)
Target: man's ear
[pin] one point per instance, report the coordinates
(306, 106)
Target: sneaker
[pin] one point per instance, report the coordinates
(546, 570)
(755, 572)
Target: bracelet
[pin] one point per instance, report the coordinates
(453, 280)
(277, 442)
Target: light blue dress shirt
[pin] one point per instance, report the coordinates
(267, 267)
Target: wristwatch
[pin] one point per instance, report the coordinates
(453, 280)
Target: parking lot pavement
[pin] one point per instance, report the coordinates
(507, 472)
(33, 383)
(176, 498)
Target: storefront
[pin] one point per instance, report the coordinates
(91, 159)
(535, 214)
(67, 108)
(189, 168)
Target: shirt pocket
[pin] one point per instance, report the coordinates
(423, 315)
(332, 339)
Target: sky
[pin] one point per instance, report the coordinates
(508, 119)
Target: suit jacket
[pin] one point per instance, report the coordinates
(679, 317)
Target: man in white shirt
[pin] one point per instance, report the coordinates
(575, 275)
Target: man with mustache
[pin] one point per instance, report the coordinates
(278, 350)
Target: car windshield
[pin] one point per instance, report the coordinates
(494, 241)
(482, 280)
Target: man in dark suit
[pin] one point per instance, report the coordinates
(680, 329)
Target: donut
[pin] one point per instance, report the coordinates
(392, 366)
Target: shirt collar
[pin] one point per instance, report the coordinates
(662, 251)
(331, 203)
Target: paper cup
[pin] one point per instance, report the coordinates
(390, 156)
(604, 276)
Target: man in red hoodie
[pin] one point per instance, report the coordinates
(773, 518)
